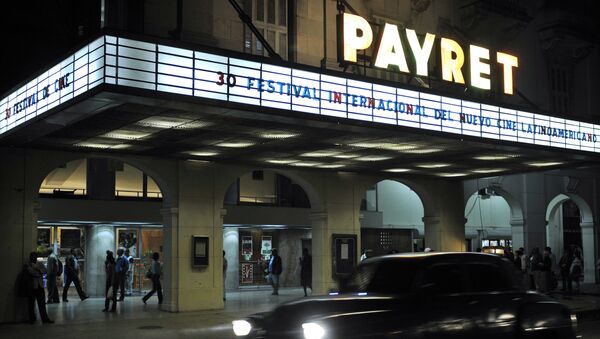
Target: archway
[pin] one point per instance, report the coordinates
(561, 217)
(265, 209)
(494, 219)
(96, 204)
(392, 219)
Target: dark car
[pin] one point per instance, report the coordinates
(432, 295)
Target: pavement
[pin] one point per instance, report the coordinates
(133, 319)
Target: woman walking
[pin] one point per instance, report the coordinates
(306, 270)
(155, 273)
(112, 283)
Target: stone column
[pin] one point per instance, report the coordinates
(322, 279)
(589, 260)
(231, 245)
(444, 218)
(99, 238)
(516, 230)
(170, 282)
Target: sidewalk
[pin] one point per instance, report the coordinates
(585, 303)
(85, 319)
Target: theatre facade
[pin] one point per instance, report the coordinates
(360, 126)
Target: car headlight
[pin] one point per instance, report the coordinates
(241, 327)
(313, 331)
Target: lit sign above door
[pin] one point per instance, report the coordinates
(161, 68)
(356, 34)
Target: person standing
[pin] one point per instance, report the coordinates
(306, 270)
(155, 274)
(576, 268)
(565, 267)
(111, 282)
(130, 273)
(121, 268)
(545, 280)
(275, 269)
(224, 274)
(535, 263)
(72, 275)
(54, 270)
(36, 272)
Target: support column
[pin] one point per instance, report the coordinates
(444, 218)
(99, 239)
(589, 262)
(170, 283)
(322, 279)
(516, 230)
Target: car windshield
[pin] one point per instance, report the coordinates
(388, 276)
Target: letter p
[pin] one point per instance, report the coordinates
(357, 34)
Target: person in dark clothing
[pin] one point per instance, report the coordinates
(111, 282)
(545, 283)
(275, 269)
(565, 267)
(72, 275)
(518, 260)
(306, 270)
(121, 268)
(36, 271)
(155, 274)
(54, 270)
(535, 260)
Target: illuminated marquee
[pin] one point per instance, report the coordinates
(356, 34)
(161, 68)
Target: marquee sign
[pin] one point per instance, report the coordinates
(155, 67)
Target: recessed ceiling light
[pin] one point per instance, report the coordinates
(93, 145)
(235, 144)
(203, 153)
(397, 170)
(372, 158)
(306, 164)
(433, 165)
(331, 166)
(385, 145)
(422, 150)
(120, 146)
(450, 175)
(193, 125)
(544, 164)
(317, 154)
(125, 134)
(163, 122)
(488, 170)
(496, 157)
(281, 161)
(346, 156)
(278, 135)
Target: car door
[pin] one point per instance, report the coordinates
(443, 307)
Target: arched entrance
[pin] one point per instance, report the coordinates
(494, 219)
(569, 221)
(96, 204)
(392, 219)
(265, 209)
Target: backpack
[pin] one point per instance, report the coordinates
(24, 283)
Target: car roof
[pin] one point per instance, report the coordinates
(435, 256)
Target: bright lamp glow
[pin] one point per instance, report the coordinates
(478, 67)
(421, 53)
(453, 59)
(508, 62)
(313, 331)
(353, 24)
(390, 51)
(241, 327)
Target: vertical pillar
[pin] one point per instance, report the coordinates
(99, 239)
(100, 179)
(444, 218)
(588, 244)
(170, 260)
(231, 245)
(322, 279)
(516, 230)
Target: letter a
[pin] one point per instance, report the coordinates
(390, 51)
